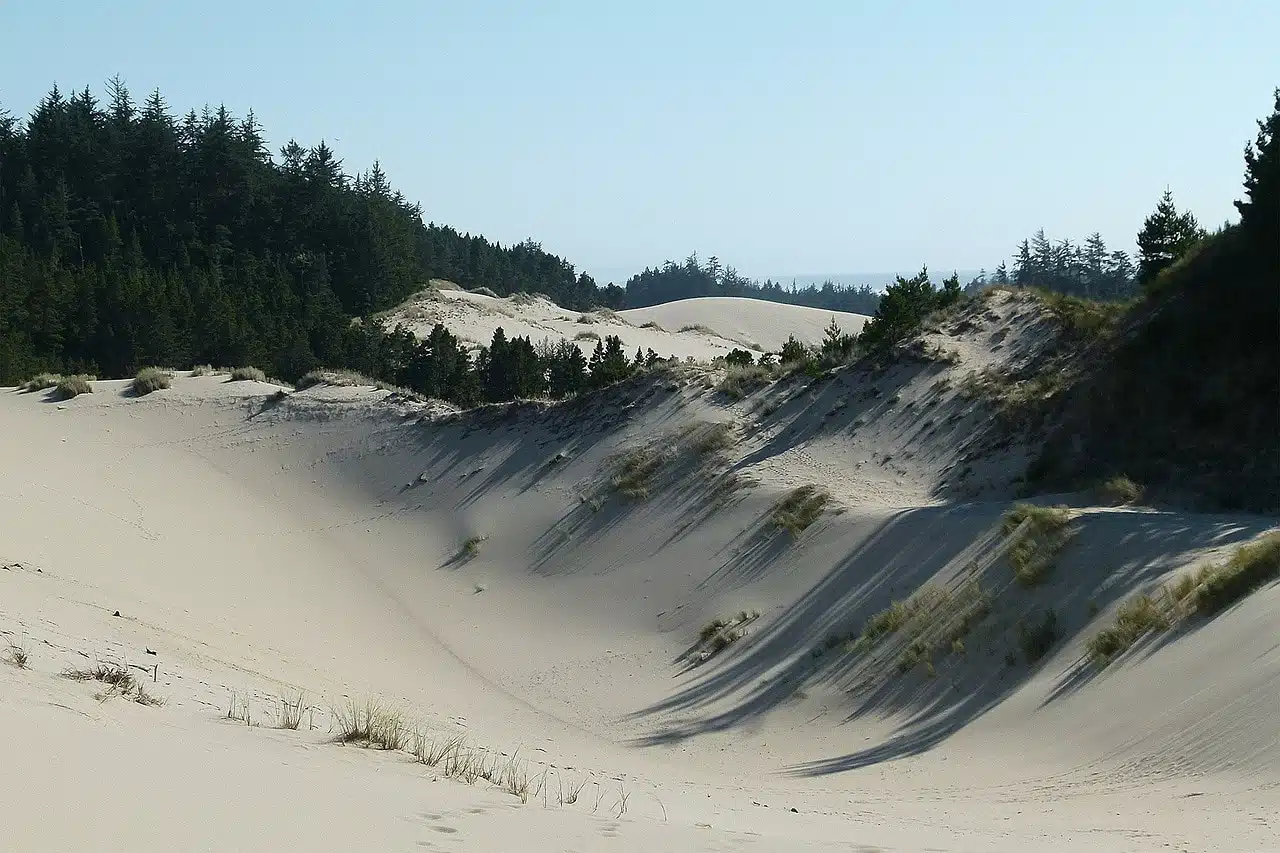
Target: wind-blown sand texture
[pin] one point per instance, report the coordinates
(316, 545)
(701, 329)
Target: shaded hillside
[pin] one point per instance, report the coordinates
(1186, 397)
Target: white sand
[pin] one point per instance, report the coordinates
(314, 544)
(691, 328)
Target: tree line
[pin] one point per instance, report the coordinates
(130, 236)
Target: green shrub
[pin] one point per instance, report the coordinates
(247, 374)
(1037, 547)
(151, 379)
(635, 471)
(73, 386)
(800, 508)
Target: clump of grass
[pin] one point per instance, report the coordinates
(471, 547)
(1119, 490)
(291, 712)
(111, 674)
(800, 509)
(42, 381)
(142, 697)
(740, 380)
(635, 472)
(1037, 638)
(151, 379)
(247, 374)
(1251, 566)
(203, 370)
(707, 438)
(17, 655)
(1082, 318)
(697, 327)
(586, 336)
(372, 726)
(1140, 615)
(719, 634)
(1046, 533)
(342, 379)
(74, 386)
(652, 325)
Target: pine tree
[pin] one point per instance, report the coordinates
(1165, 236)
(1260, 213)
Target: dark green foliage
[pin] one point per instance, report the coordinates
(793, 352)
(1166, 235)
(837, 346)
(740, 358)
(129, 237)
(904, 306)
(1089, 271)
(1260, 213)
(608, 363)
(1037, 638)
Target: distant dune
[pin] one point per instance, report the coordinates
(751, 321)
(701, 329)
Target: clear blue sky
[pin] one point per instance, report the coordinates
(804, 138)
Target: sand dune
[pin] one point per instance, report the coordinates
(317, 545)
(701, 329)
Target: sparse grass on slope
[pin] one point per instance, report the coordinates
(1036, 549)
(741, 380)
(719, 634)
(800, 509)
(635, 471)
(1208, 590)
(74, 386)
(17, 655)
(151, 379)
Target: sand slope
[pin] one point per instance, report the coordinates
(264, 547)
(702, 329)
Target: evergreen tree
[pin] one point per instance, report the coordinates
(1166, 235)
(1260, 213)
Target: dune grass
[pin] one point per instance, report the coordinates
(204, 370)
(17, 655)
(1119, 490)
(372, 725)
(247, 374)
(707, 438)
(1140, 615)
(74, 386)
(142, 697)
(697, 327)
(740, 380)
(42, 381)
(586, 336)
(471, 546)
(719, 634)
(1250, 567)
(111, 674)
(652, 325)
(150, 379)
(1047, 532)
(800, 509)
(635, 471)
(1206, 591)
(291, 709)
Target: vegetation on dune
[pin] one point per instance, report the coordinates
(151, 379)
(1204, 591)
(247, 374)
(1119, 490)
(74, 386)
(41, 382)
(1041, 534)
(635, 470)
(800, 509)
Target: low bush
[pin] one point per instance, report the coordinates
(247, 374)
(74, 386)
(800, 509)
(151, 379)
(1047, 532)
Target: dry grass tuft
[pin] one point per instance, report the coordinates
(291, 711)
(1250, 567)
(17, 655)
(203, 370)
(1140, 615)
(113, 675)
(42, 381)
(247, 374)
(635, 472)
(1119, 490)
(707, 438)
(719, 634)
(371, 726)
(74, 386)
(142, 697)
(697, 327)
(800, 509)
(151, 379)
(1045, 534)
(741, 380)
(586, 336)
